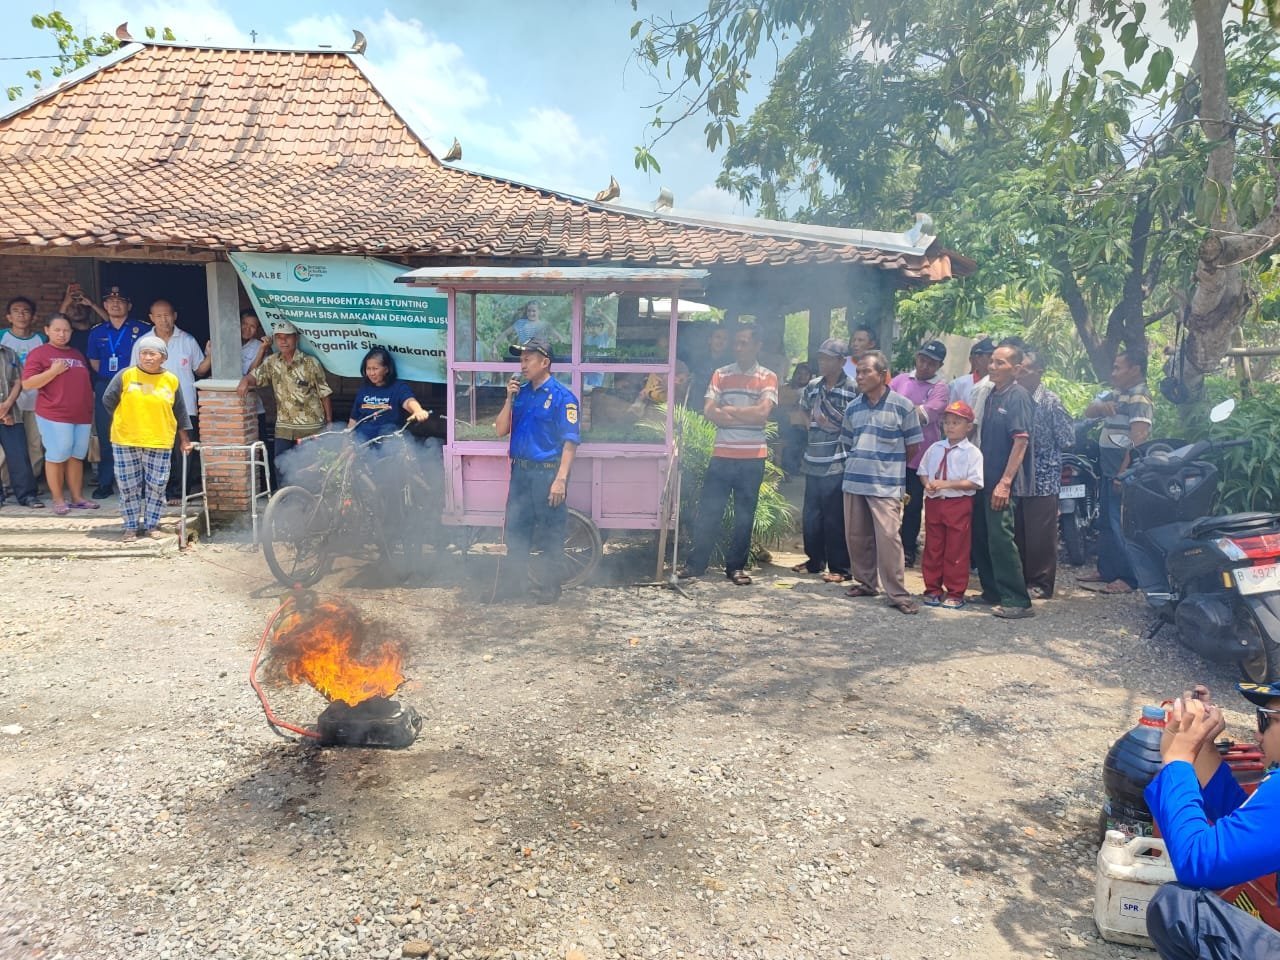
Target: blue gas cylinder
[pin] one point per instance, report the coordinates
(1132, 762)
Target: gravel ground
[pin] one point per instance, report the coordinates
(768, 772)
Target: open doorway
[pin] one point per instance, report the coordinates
(182, 284)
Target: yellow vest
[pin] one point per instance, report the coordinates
(145, 416)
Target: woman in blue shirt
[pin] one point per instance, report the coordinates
(384, 402)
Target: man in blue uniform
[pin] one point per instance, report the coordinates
(541, 415)
(1216, 836)
(110, 347)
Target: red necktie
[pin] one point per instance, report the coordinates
(942, 467)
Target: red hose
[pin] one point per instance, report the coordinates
(275, 722)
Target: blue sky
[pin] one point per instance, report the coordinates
(544, 92)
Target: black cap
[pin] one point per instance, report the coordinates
(934, 350)
(983, 346)
(535, 345)
(1259, 694)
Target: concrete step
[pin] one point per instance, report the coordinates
(25, 532)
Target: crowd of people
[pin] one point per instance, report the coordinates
(116, 395)
(975, 463)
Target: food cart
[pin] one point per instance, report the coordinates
(615, 353)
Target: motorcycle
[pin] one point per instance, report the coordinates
(1216, 579)
(1078, 504)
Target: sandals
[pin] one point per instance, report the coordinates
(85, 505)
(953, 603)
(61, 509)
(905, 606)
(155, 533)
(932, 600)
(836, 577)
(858, 590)
(129, 536)
(802, 567)
(739, 578)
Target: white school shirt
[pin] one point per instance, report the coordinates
(964, 462)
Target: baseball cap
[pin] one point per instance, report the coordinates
(833, 347)
(284, 326)
(934, 349)
(1259, 694)
(983, 346)
(534, 344)
(115, 292)
(959, 408)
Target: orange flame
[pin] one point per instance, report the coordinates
(321, 642)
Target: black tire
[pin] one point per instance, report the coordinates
(1073, 537)
(1264, 666)
(583, 549)
(295, 536)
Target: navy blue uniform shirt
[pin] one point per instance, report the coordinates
(542, 420)
(105, 342)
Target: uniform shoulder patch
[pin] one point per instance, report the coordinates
(571, 412)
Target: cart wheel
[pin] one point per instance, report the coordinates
(295, 536)
(583, 548)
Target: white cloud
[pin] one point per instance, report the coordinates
(711, 199)
(192, 21)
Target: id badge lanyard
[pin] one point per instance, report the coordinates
(113, 361)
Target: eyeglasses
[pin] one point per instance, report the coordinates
(1265, 718)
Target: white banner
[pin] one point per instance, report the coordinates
(343, 306)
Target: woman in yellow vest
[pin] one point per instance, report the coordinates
(146, 409)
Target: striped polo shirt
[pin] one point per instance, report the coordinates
(732, 386)
(875, 438)
(823, 456)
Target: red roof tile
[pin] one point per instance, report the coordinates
(197, 148)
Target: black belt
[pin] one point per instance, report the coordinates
(535, 464)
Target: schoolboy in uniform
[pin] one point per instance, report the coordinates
(950, 472)
(541, 416)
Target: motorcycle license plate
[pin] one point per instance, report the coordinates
(1073, 492)
(1251, 580)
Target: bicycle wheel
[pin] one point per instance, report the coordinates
(295, 536)
(411, 523)
(583, 548)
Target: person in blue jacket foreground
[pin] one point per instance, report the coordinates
(1216, 836)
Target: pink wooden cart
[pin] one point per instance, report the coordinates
(608, 340)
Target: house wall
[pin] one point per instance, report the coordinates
(43, 279)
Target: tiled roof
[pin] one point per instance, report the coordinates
(296, 151)
(215, 105)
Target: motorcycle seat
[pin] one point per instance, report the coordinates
(1165, 538)
(1234, 524)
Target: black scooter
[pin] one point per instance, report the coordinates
(1078, 502)
(1216, 579)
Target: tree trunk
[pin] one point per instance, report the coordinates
(1220, 296)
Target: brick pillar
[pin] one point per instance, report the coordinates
(226, 419)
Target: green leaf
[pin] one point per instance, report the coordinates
(1158, 68)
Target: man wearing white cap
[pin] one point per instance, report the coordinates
(303, 405)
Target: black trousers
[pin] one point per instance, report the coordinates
(532, 522)
(911, 514)
(823, 524)
(1035, 531)
(102, 425)
(13, 439)
(725, 476)
(1188, 924)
